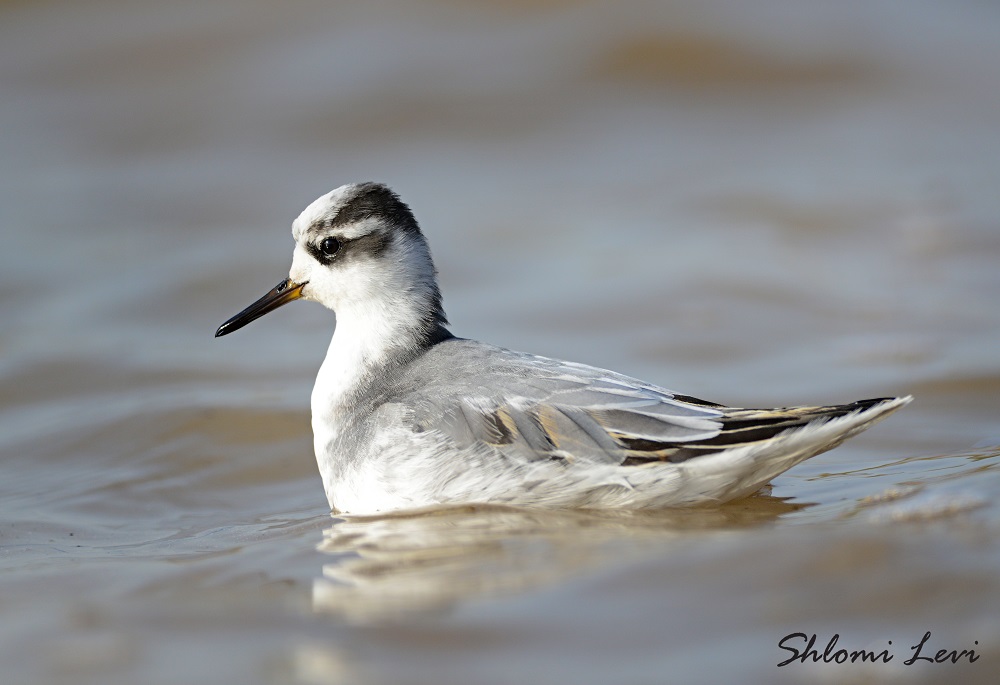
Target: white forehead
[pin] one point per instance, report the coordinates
(323, 208)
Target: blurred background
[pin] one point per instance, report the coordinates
(759, 203)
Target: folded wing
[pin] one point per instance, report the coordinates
(567, 416)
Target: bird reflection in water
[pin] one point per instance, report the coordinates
(429, 561)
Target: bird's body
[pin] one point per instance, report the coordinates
(406, 415)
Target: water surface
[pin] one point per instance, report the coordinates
(760, 204)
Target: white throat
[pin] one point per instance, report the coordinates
(369, 337)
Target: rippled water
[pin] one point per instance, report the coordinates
(761, 204)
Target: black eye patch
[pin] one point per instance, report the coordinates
(330, 249)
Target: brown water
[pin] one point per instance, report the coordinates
(758, 203)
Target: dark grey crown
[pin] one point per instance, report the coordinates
(376, 201)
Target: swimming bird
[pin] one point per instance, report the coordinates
(407, 415)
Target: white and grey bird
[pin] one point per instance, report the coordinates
(405, 414)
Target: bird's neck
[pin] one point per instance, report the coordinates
(371, 340)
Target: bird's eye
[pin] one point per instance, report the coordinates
(329, 246)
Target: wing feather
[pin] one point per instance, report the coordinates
(604, 422)
(626, 423)
(531, 408)
(576, 434)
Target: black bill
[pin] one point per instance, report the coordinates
(283, 293)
